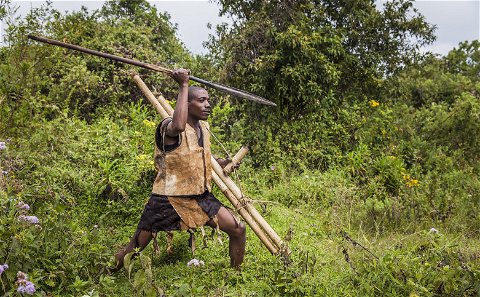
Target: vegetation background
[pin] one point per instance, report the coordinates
(368, 167)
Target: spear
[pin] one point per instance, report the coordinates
(229, 90)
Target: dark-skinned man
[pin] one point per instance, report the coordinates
(181, 198)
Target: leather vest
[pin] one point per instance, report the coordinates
(187, 169)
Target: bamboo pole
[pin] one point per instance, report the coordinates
(161, 106)
(261, 228)
(236, 160)
(245, 215)
(253, 212)
(151, 98)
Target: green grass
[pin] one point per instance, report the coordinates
(88, 183)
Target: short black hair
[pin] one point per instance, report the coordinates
(192, 90)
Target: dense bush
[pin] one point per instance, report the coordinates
(44, 81)
(80, 180)
(321, 62)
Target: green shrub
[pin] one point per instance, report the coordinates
(422, 264)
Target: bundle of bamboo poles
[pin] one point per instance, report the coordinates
(233, 193)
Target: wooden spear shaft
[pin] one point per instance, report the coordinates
(274, 246)
(227, 89)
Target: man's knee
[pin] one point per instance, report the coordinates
(239, 231)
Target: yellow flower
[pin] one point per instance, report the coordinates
(373, 103)
(413, 294)
(148, 123)
(413, 183)
(142, 157)
(410, 181)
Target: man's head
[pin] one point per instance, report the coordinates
(198, 104)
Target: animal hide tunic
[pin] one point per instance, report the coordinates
(181, 197)
(186, 169)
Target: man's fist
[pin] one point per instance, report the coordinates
(181, 76)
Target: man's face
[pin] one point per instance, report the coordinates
(199, 106)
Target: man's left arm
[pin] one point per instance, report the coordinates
(224, 162)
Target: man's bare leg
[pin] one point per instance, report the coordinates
(140, 239)
(236, 233)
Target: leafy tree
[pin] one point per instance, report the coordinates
(439, 80)
(45, 81)
(326, 45)
(315, 59)
(465, 59)
(3, 8)
(443, 92)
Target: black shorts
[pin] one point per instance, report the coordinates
(159, 214)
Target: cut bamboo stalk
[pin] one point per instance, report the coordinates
(166, 109)
(241, 204)
(253, 212)
(245, 215)
(151, 98)
(261, 228)
(236, 160)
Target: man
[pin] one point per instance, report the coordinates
(181, 198)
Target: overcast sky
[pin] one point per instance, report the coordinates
(456, 20)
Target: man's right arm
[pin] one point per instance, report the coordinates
(180, 115)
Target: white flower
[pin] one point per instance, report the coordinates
(433, 230)
(21, 275)
(195, 262)
(2, 145)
